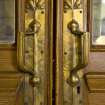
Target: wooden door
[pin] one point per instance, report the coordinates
(25, 52)
(45, 57)
(80, 64)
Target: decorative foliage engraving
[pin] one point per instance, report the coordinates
(72, 4)
(67, 4)
(78, 4)
(35, 4)
(32, 25)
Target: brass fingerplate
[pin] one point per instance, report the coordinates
(68, 46)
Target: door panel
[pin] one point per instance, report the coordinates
(11, 89)
(6, 58)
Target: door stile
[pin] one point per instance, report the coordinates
(49, 52)
(59, 53)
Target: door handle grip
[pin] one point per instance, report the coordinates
(20, 55)
(82, 50)
(34, 80)
(74, 79)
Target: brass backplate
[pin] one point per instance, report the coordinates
(33, 47)
(68, 49)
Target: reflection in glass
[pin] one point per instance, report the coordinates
(98, 22)
(7, 21)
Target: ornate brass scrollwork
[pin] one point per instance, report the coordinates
(76, 5)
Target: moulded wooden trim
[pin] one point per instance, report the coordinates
(95, 82)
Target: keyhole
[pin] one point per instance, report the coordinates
(78, 89)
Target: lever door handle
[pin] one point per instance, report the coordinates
(81, 49)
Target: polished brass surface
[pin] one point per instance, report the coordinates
(58, 50)
(75, 50)
(20, 55)
(35, 81)
(35, 54)
(74, 28)
(31, 48)
(34, 35)
(95, 25)
(27, 40)
(81, 52)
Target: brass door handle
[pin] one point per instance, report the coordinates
(21, 60)
(27, 31)
(82, 47)
(73, 26)
(20, 55)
